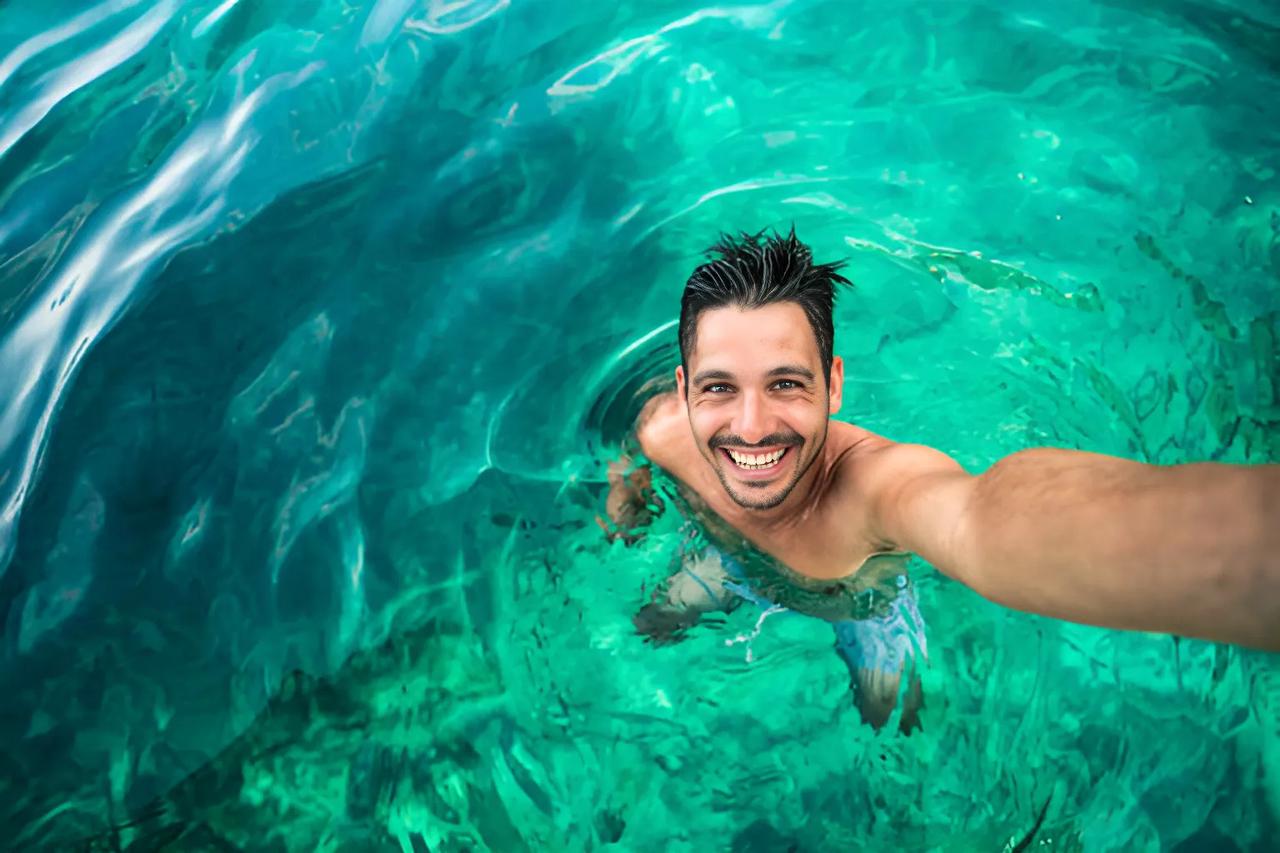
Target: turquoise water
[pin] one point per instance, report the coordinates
(319, 320)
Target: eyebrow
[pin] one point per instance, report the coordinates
(783, 370)
(791, 370)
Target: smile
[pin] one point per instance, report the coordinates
(755, 461)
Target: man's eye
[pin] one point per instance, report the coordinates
(788, 384)
(717, 388)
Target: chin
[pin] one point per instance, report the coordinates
(748, 500)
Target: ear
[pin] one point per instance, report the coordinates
(835, 393)
(680, 389)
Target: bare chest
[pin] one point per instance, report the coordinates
(817, 547)
(827, 541)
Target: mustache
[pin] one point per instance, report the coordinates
(772, 440)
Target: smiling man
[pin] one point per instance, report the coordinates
(833, 510)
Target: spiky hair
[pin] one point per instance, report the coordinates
(754, 270)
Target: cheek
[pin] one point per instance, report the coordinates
(709, 423)
(704, 425)
(812, 429)
(808, 416)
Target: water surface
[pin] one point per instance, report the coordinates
(318, 322)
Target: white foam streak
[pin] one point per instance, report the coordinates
(444, 17)
(617, 60)
(56, 85)
(184, 199)
(609, 65)
(38, 44)
(209, 20)
(384, 19)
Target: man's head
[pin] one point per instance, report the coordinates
(757, 369)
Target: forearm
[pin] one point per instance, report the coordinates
(695, 590)
(1189, 549)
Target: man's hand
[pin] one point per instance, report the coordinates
(632, 502)
(662, 624)
(694, 591)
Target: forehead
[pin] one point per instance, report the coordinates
(732, 337)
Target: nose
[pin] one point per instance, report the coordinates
(754, 421)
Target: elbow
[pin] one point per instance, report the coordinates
(961, 558)
(957, 553)
(983, 524)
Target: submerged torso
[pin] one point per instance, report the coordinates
(825, 564)
(865, 593)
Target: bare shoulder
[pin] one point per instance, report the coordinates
(905, 490)
(662, 429)
(855, 443)
(872, 468)
(876, 464)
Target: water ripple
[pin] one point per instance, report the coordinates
(319, 322)
(52, 87)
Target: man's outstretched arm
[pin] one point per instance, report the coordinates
(1186, 549)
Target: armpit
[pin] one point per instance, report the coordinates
(884, 565)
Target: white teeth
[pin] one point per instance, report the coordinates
(748, 460)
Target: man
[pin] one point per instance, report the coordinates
(747, 434)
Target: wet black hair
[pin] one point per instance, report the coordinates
(754, 270)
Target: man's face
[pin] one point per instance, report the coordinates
(758, 403)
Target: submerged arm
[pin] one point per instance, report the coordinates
(1186, 549)
(632, 502)
(694, 591)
